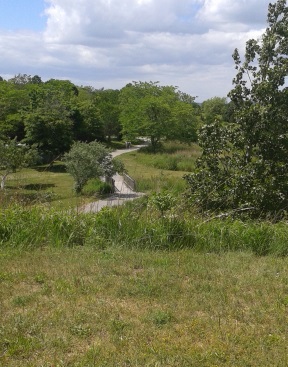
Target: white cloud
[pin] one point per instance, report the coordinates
(245, 14)
(108, 43)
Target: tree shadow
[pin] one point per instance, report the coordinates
(57, 168)
(40, 186)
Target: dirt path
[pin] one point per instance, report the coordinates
(123, 192)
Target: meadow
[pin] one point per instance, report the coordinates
(163, 170)
(119, 307)
(137, 285)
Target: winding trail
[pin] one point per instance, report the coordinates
(123, 192)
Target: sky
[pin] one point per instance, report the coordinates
(109, 43)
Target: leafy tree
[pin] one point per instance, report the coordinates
(153, 111)
(91, 126)
(13, 100)
(14, 156)
(109, 110)
(89, 160)
(214, 108)
(245, 162)
(36, 79)
(50, 119)
(186, 121)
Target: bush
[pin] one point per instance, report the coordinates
(96, 186)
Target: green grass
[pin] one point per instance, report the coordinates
(172, 156)
(53, 187)
(49, 186)
(118, 307)
(163, 170)
(138, 225)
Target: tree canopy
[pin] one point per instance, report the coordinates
(244, 165)
(156, 112)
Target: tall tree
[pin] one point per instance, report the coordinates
(108, 104)
(214, 108)
(91, 127)
(50, 119)
(12, 101)
(153, 111)
(245, 163)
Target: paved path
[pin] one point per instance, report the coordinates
(123, 192)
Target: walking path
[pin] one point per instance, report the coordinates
(123, 192)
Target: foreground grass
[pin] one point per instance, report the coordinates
(118, 307)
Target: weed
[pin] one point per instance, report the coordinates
(22, 301)
(160, 317)
(81, 330)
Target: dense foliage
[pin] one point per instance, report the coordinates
(157, 112)
(55, 113)
(244, 165)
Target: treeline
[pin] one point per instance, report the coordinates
(53, 114)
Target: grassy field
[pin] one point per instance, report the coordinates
(53, 187)
(45, 185)
(116, 307)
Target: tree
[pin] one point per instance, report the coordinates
(91, 126)
(109, 110)
(186, 121)
(214, 108)
(13, 100)
(153, 111)
(14, 156)
(49, 121)
(245, 162)
(89, 160)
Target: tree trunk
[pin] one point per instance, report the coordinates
(3, 179)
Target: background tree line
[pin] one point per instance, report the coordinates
(54, 114)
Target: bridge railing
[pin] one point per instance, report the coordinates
(129, 182)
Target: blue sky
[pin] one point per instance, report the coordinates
(22, 14)
(109, 43)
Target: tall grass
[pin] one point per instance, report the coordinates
(137, 225)
(171, 156)
(159, 183)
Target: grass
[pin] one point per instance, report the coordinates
(50, 186)
(119, 307)
(138, 225)
(163, 170)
